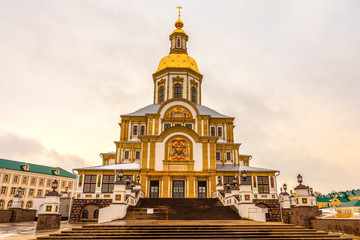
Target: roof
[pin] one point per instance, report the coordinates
(34, 168)
(343, 199)
(120, 166)
(323, 199)
(177, 60)
(300, 186)
(154, 108)
(237, 168)
(353, 203)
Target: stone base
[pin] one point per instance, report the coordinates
(302, 215)
(5, 216)
(48, 221)
(22, 215)
(273, 207)
(79, 204)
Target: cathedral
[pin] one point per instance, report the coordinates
(175, 147)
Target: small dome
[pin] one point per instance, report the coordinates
(179, 24)
(174, 60)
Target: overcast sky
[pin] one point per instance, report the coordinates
(287, 70)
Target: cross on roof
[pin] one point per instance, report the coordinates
(179, 7)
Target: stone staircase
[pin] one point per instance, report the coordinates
(240, 231)
(184, 209)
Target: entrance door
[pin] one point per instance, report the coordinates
(201, 189)
(154, 189)
(178, 189)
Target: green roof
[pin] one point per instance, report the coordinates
(323, 199)
(35, 168)
(343, 199)
(352, 203)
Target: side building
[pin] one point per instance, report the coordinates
(32, 180)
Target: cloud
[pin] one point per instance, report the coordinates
(24, 149)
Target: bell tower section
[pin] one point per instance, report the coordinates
(178, 75)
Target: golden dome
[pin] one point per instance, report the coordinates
(175, 60)
(179, 24)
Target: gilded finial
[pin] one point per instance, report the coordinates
(179, 7)
(179, 24)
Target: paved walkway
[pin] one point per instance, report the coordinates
(27, 230)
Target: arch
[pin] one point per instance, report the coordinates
(96, 213)
(179, 130)
(89, 212)
(178, 112)
(29, 204)
(191, 106)
(2, 204)
(179, 147)
(85, 214)
(161, 94)
(269, 215)
(193, 95)
(9, 205)
(177, 90)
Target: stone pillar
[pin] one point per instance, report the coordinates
(119, 194)
(286, 203)
(235, 191)
(245, 193)
(17, 201)
(50, 218)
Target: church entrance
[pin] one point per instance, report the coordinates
(154, 189)
(178, 189)
(201, 189)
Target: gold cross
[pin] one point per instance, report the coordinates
(179, 10)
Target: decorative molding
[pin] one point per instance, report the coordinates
(161, 82)
(193, 83)
(178, 79)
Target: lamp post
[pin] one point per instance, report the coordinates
(311, 191)
(138, 178)
(299, 179)
(243, 174)
(285, 187)
(54, 185)
(121, 175)
(234, 181)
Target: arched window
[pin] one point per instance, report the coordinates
(161, 94)
(22, 204)
(177, 90)
(2, 204)
(10, 204)
(193, 94)
(178, 42)
(85, 214)
(29, 204)
(96, 213)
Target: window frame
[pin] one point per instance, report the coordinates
(218, 156)
(142, 130)
(165, 126)
(127, 152)
(39, 191)
(89, 183)
(137, 155)
(263, 186)
(228, 156)
(107, 185)
(194, 95)
(135, 130)
(189, 125)
(177, 90)
(212, 131)
(161, 94)
(3, 188)
(220, 131)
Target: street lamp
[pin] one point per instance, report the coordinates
(243, 174)
(299, 179)
(132, 184)
(234, 181)
(138, 178)
(311, 191)
(121, 174)
(281, 189)
(54, 185)
(285, 187)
